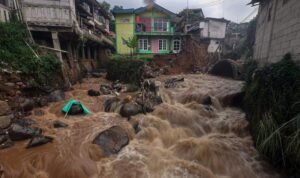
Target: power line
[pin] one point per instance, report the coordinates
(250, 15)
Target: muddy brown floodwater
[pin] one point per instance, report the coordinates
(181, 138)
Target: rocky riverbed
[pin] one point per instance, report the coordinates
(193, 132)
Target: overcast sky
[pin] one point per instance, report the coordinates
(234, 10)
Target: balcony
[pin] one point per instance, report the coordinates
(153, 26)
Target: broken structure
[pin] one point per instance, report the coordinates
(211, 31)
(278, 30)
(76, 30)
(6, 6)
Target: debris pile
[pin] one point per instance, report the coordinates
(21, 129)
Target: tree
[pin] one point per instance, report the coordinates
(105, 6)
(131, 43)
(190, 16)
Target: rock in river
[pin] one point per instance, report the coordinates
(39, 140)
(59, 124)
(4, 108)
(28, 105)
(130, 109)
(5, 121)
(112, 140)
(56, 96)
(93, 93)
(17, 132)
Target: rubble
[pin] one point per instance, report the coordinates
(5, 121)
(4, 108)
(17, 132)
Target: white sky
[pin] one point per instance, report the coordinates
(234, 10)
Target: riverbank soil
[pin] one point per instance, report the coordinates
(193, 133)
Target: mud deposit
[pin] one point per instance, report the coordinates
(181, 138)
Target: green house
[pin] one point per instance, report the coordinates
(153, 26)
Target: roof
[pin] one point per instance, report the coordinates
(118, 10)
(140, 10)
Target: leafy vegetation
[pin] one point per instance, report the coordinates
(129, 71)
(131, 43)
(16, 52)
(273, 106)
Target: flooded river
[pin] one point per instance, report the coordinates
(180, 139)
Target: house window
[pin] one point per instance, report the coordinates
(143, 44)
(160, 25)
(177, 45)
(162, 44)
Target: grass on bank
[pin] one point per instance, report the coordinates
(17, 53)
(272, 102)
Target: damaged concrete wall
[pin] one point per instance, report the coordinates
(278, 31)
(49, 12)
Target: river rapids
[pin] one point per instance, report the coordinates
(180, 139)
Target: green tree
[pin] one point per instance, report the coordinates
(190, 16)
(131, 43)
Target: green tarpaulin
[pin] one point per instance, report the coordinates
(68, 106)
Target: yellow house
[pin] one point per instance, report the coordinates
(153, 26)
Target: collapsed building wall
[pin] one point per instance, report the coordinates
(76, 31)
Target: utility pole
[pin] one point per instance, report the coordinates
(187, 11)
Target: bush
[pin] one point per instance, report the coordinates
(129, 71)
(16, 52)
(273, 106)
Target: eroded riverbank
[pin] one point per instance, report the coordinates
(181, 138)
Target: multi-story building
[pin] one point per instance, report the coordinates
(5, 9)
(153, 26)
(211, 31)
(74, 29)
(277, 31)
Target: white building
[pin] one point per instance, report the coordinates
(213, 29)
(4, 13)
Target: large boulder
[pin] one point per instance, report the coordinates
(5, 121)
(130, 109)
(56, 96)
(112, 140)
(226, 68)
(25, 122)
(4, 108)
(93, 93)
(17, 132)
(27, 105)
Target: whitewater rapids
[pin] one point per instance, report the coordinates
(180, 139)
